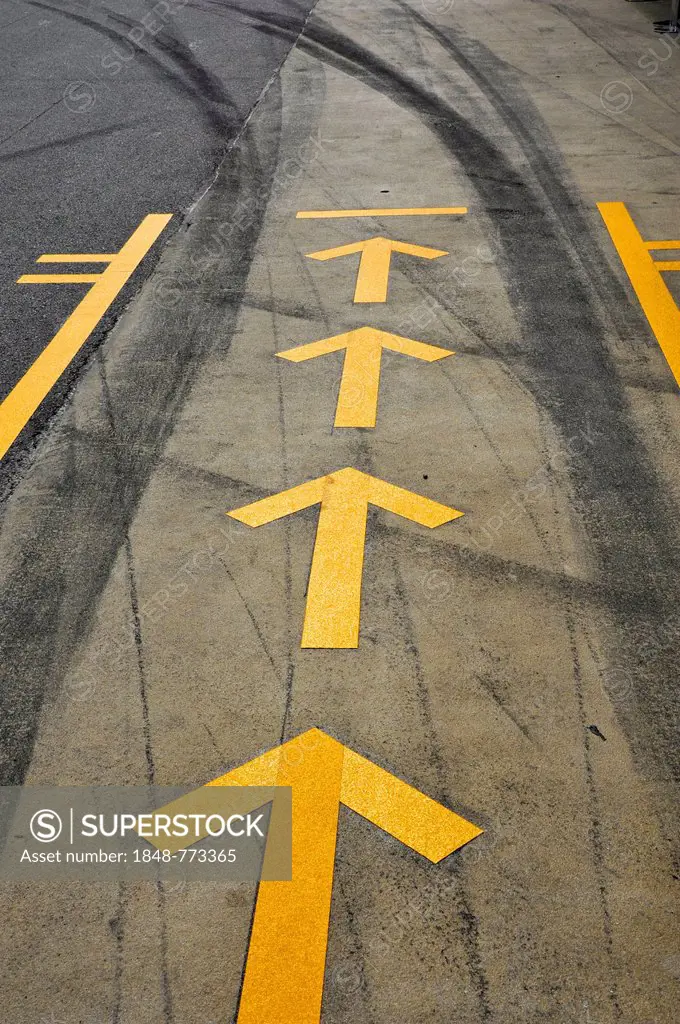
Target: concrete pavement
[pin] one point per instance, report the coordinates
(516, 664)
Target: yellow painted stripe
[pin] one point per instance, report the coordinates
(410, 505)
(283, 981)
(360, 383)
(58, 278)
(76, 257)
(644, 273)
(333, 609)
(426, 252)
(267, 510)
(406, 211)
(668, 244)
(26, 396)
(667, 264)
(374, 271)
(402, 811)
(341, 250)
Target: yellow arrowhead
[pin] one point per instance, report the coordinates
(374, 266)
(395, 807)
(284, 976)
(334, 592)
(358, 396)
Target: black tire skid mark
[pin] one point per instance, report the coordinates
(631, 494)
(559, 292)
(547, 166)
(70, 140)
(422, 278)
(172, 43)
(650, 562)
(501, 85)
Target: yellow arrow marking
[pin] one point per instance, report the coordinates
(644, 272)
(358, 395)
(374, 266)
(283, 982)
(333, 606)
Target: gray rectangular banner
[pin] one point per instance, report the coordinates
(216, 833)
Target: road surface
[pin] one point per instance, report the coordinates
(446, 539)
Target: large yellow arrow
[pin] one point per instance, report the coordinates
(374, 266)
(334, 591)
(358, 395)
(283, 981)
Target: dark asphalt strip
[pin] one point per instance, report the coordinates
(77, 525)
(166, 105)
(186, 77)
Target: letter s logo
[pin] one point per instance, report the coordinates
(79, 97)
(45, 826)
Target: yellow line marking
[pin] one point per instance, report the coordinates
(406, 211)
(76, 257)
(374, 265)
(644, 273)
(333, 607)
(58, 278)
(35, 385)
(358, 396)
(284, 976)
(667, 264)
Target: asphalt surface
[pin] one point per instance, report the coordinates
(99, 127)
(517, 664)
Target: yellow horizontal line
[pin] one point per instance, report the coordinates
(667, 264)
(58, 278)
(668, 244)
(415, 211)
(76, 257)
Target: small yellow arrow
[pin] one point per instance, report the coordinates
(334, 592)
(374, 266)
(284, 975)
(358, 395)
